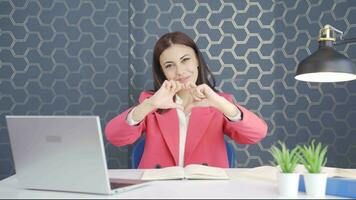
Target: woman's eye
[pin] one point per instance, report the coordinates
(168, 66)
(185, 59)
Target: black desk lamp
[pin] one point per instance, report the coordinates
(326, 64)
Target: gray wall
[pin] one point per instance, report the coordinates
(94, 57)
(63, 58)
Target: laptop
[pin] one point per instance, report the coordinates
(62, 153)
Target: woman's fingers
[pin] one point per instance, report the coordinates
(191, 85)
(195, 97)
(174, 86)
(200, 92)
(164, 84)
(179, 86)
(197, 92)
(167, 84)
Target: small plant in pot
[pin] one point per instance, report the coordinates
(313, 157)
(287, 178)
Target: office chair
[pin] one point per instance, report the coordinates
(140, 145)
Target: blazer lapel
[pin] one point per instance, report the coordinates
(198, 123)
(168, 122)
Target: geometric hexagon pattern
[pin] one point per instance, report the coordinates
(94, 58)
(63, 58)
(253, 48)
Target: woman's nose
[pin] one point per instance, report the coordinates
(179, 69)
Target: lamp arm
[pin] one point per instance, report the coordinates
(336, 30)
(345, 41)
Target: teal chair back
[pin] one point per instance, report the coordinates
(137, 152)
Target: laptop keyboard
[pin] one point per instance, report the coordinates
(119, 183)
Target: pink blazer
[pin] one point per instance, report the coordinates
(205, 135)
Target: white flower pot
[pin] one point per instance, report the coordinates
(288, 184)
(315, 184)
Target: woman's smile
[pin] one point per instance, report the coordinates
(183, 79)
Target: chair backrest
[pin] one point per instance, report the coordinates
(230, 154)
(137, 152)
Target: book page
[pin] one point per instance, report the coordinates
(269, 173)
(331, 171)
(204, 172)
(167, 173)
(340, 172)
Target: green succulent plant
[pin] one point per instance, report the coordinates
(285, 158)
(313, 157)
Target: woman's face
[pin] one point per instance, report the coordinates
(179, 63)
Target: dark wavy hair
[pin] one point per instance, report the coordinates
(167, 40)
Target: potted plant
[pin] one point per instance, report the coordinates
(287, 178)
(313, 157)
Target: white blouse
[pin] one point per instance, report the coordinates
(183, 127)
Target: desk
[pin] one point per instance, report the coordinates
(237, 187)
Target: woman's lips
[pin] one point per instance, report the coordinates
(183, 80)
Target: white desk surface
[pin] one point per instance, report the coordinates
(237, 187)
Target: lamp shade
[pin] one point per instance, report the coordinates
(326, 65)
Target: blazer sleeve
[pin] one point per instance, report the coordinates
(250, 129)
(118, 132)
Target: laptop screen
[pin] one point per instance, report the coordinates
(61, 153)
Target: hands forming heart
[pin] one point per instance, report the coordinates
(202, 95)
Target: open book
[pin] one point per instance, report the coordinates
(189, 172)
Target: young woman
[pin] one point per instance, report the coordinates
(184, 118)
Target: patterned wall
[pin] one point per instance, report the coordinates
(325, 111)
(93, 58)
(253, 48)
(63, 58)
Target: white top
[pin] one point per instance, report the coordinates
(183, 127)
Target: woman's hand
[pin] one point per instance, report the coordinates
(202, 95)
(163, 98)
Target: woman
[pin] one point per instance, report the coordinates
(184, 119)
